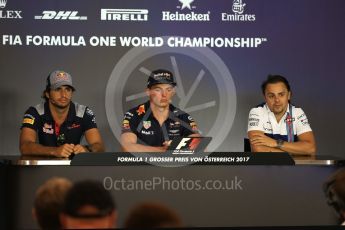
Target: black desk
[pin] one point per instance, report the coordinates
(270, 195)
(43, 160)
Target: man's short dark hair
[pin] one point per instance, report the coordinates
(272, 79)
(47, 90)
(44, 94)
(88, 192)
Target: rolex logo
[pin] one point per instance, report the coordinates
(3, 3)
(9, 14)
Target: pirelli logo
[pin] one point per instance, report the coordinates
(124, 14)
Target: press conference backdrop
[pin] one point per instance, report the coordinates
(220, 52)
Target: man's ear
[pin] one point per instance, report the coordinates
(174, 91)
(147, 91)
(47, 94)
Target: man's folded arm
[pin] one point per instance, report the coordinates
(305, 145)
(129, 144)
(261, 147)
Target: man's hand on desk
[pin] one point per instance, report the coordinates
(262, 139)
(166, 145)
(66, 150)
(80, 149)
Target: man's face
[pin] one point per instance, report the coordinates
(160, 95)
(277, 97)
(69, 222)
(60, 97)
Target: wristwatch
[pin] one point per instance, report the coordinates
(88, 147)
(280, 143)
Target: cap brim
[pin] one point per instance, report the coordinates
(62, 84)
(157, 83)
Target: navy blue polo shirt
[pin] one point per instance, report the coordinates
(144, 125)
(79, 119)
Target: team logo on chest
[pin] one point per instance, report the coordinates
(175, 124)
(141, 110)
(146, 124)
(48, 128)
(73, 126)
(289, 119)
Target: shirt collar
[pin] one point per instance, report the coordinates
(172, 110)
(71, 112)
(47, 114)
(148, 105)
(287, 111)
(70, 116)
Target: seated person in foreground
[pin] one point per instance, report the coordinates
(277, 125)
(152, 214)
(48, 203)
(151, 126)
(58, 123)
(334, 189)
(88, 205)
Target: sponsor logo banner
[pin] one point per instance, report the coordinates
(182, 16)
(9, 14)
(60, 15)
(238, 7)
(124, 15)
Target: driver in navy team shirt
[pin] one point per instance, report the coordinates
(150, 127)
(58, 123)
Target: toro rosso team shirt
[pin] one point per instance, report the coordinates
(262, 119)
(79, 119)
(145, 126)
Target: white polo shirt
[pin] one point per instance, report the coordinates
(262, 119)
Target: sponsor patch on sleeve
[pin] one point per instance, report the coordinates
(253, 124)
(194, 126)
(30, 121)
(125, 125)
(89, 112)
(253, 115)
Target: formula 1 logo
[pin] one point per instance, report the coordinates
(60, 15)
(189, 143)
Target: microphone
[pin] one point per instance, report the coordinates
(61, 140)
